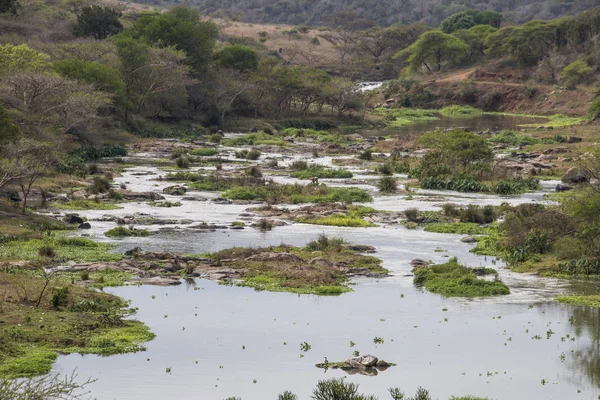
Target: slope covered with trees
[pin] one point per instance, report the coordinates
(431, 12)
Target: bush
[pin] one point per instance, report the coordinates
(450, 210)
(47, 251)
(253, 155)
(204, 152)
(366, 155)
(386, 169)
(325, 243)
(99, 185)
(254, 172)
(478, 215)
(60, 297)
(412, 214)
(336, 389)
(577, 72)
(182, 162)
(387, 184)
(299, 165)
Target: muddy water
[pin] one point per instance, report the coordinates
(512, 347)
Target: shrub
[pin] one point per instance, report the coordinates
(254, 171)
(577, 72)
(299, 165)
(99, 185)
(182, 162)
(178, 152)
(460, 111)
(336, 388)
(450, 210)
(204, 152)
(478, 215)
(84, 275)
(387, 184)
(366, 155)
(264, 225)
(60, 297)
(412, 214)
(325, 243)
(386, 169)
(47, 251)
(253, 154)
(287, 395)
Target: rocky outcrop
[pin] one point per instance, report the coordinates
(73, 219)
(365, 365)
(85, 225)
(419, 263)
(176, 190)
(577, 175)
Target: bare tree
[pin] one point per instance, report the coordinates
(46, 387)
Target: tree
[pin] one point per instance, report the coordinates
(475, 38)
(9, 132)
(238, 57)
(101, 76)
(530, 42)
(577, 72)
(9, 6)
(45, 387)
(98, 21)
(21, 58)
(434, 48)
(456, 154)
(33, 161)
(455, 22)
(149, 72)
(181, 28)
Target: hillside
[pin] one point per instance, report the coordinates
(431, 12)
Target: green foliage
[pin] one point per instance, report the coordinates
(238, 57)
(325, 243)
(577, 72)
(407, 116)
(9, 132)
(181, 28)
(470, 18)
(461, 228)
(121, 231)
(65, 248)
(459, 185)
(434, 48)
(287, 395)
(60, 297)
(338, 389)
(588, 300)
(255, 139)
(337, 220)
(77, 205)
(460, 111)
(321, 172)
(101, 76)
(514, 139)
(387, 184)
(296, 194)
(99, 22)
(9, 6)
(457, 154)
(22, 58)
(204, 152)
(454, 280)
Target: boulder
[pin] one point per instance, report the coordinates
(361, 248)
(574, 139)
(576, 175)
(85, 225)
(133, 251)
(321, 262)
(382, 364)
(468, 239)
(561, 187)
(418, 262)
(73, 219)
(175, 190)
(366, 361)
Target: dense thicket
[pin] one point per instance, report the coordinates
(384, 13)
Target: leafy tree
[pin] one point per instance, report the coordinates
(101, 76)
(9, 6)
(180, 27)
(456, 154)
(433, 48)
(455, 22)
(476, 38)
(98, 21)
(531, 42)
(577, 72)
(495, 42)
(21, 58)
(238, 57)
(9, 132)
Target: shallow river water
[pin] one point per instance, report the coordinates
(221, 341)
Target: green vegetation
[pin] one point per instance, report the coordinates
(84, 205)
(255, 139)
(454, 280)
(588, 301)
(295, 194)
(406, 116)
(577, 72)
(321, 172)
(76, 320)
(462, 228)
(514, 139)
(558, 121)
(65, 249)
(121, 231)
(337, 220)
(460, 111)
(204, 152)
(291, 269)
(387, 184)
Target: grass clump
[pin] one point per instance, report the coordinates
(588, 301)
(460, 111)
(399, 117)
(387, 184)
(84, 205)
(296, 194)
(461, 228)
(321, 172)
(337, 220)
(204, 152)
(452, 279)
(121, 231)
(65, 249)
(255, 139)
(514, 139)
